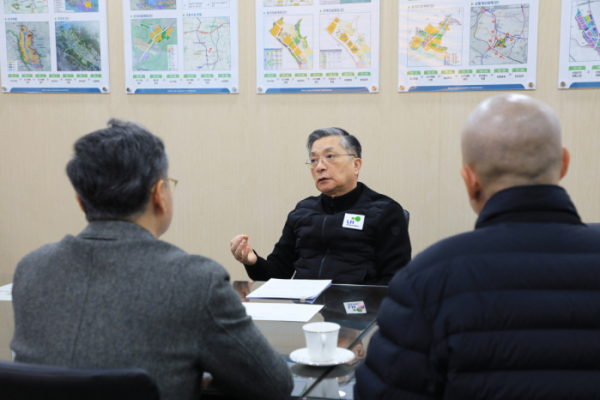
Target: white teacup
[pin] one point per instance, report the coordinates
(321, 340)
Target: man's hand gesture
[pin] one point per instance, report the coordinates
(242, 251)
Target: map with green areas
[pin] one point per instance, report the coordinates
(25, 6)
(78, 46)
(154, 44)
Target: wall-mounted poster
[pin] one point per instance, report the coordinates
(317, 46)
(54, 46)
(580, 45)
(181, 46)
(459, 45)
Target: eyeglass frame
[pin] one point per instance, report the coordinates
(309, 164)
(175, 182)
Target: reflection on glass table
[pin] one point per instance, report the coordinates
(338, 382)
(355, 333)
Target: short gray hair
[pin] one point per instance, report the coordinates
(114, 169)
(349, 142)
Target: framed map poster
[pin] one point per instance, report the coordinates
(579, 45)
(317, 46)
(460, 45)
(54, 46)
(181, 46)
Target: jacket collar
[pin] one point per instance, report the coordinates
(537, 204)
(332, 205)
(115, 230)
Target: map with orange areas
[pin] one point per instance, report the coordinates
(435, 37)
(28, 43)
(288, 33)
(154, 44)
(349, 34)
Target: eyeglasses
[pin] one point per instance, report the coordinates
(172, 184)
(327, 159)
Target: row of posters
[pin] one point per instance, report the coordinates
(302, 46)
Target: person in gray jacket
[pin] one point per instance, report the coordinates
(116, 296)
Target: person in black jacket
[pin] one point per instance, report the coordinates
(512, 309)
(349, 234)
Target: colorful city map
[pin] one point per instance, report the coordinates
(153, 4)
(81, 5)
(346, 39)
(585, 38)
(154, 44)
(289, 35)
(499, 35)
(28, 45)
(78, 46)
(207, 43)
(440, 42)
(25, 6)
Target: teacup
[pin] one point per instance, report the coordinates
(321, 340)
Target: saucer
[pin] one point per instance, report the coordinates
(341, 356)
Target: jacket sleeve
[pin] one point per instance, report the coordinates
(237, 355)
(393, 247)
(398, 363)
(280, 263)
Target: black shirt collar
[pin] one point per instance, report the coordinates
(538, 203)
(332, 205)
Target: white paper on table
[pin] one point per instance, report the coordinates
(290, 289)
(6, 293)
(281, 312)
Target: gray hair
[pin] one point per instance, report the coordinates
(114, 169)
(349, 142)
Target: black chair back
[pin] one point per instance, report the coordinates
(33, 382)
(407, 216)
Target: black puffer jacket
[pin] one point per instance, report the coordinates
(510, 311)
(316, 244)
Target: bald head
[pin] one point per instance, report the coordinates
(513, 140)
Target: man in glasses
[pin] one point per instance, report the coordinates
(349, 234)
(116, 296)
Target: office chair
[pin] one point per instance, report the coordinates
(31, 382)
(407, 216)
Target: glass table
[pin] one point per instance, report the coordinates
(355, 334)
(309, 382)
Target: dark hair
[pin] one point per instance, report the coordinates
(349, 142)
(114, 169)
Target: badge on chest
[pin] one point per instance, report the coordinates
(353, 221)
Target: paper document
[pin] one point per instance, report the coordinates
(281, 312)
(6, 293)
(290, 289)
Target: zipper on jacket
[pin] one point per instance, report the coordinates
(323, 238)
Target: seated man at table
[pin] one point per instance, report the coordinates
(349, 234)
(511, 310)
(116, 296)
